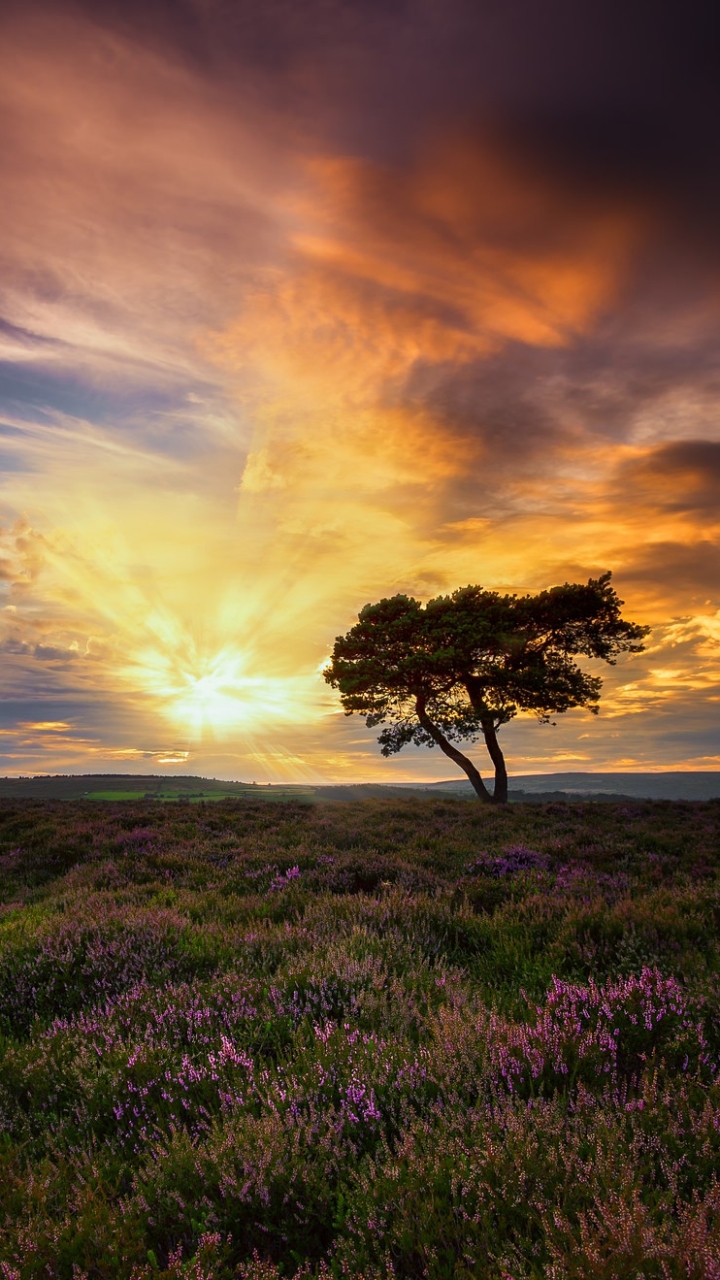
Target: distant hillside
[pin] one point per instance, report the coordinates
(670, 785)
(675, 785)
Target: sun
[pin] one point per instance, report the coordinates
(216, 696)
(220, 694)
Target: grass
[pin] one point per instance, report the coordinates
(115, 795)
(415, 1038)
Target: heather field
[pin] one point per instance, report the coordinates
(413, 1038)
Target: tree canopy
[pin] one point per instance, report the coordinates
(463, 665)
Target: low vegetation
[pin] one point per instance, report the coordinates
(411, 1038)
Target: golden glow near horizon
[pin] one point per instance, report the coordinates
(263, 381)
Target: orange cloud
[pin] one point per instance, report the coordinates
(496, 251)
(440, 262)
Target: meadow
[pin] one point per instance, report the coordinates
(413, 1037)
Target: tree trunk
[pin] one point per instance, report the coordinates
(452, 752)
(501, 779)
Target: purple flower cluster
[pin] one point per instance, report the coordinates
(70, 963)
(511, 862)
(597, 1031)
(281, 881)
(175, 1060)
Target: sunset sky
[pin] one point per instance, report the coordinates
(308, 302)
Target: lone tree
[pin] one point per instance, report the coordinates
(463, 665)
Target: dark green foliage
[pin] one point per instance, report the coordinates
(463, 665)
(395, 1038)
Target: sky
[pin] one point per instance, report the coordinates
(303, 305)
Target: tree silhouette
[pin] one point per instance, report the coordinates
(461, 666)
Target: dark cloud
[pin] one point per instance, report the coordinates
(689, 575)
(495, 405)
(24, 338)
(606, 87)
(682, 477)
(13, 645)
(51, 653)
(642, 365)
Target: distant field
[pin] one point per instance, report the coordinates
(126, 787)
(406, 1038)
(150, 787)
(114, 795)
